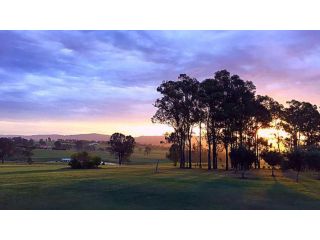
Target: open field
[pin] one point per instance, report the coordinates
(138, 157)
(54, 186)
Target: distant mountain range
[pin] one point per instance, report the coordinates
(145, 140)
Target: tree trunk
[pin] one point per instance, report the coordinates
(184, 154)
(242, 174)
(181, 152)
(297, 177)
(227, 157)
(257, 149)
(190, 159)
(119, 158)
(241, 137)
(209, 155)
(200, 148)
(214, 154)
(273, 171)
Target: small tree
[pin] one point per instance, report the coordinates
(58, 144)
(313, 160)
(6, 148)
(121, 146)
(42, 142)
(243, 159)
(84, 160)
(147, 150)
(273, 158)
(297, 161)
(174, 154)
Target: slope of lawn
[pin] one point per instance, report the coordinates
(54, 186)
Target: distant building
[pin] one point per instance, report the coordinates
(66, 160)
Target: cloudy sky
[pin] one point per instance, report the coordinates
(104, 81)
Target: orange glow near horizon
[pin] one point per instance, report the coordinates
(79, 127)
(271, 135)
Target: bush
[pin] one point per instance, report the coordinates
(297, 161)
(242, 158)
(273, 159)
(284, 165)
(83, 160)
(313, 160)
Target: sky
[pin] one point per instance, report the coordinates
(71, 82)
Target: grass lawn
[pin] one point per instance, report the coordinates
(54, 186)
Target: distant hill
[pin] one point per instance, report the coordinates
(145, 140)
(153, 140)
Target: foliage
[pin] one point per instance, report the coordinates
(174, 154)
(273, 158)
(297, 161)
(83, 160)
(313, 160)
(121, 146)
(6, 148)
(242, 158)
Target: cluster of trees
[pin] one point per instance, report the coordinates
(229, 115)
(16, 148)
(121, 146)
(83, 160)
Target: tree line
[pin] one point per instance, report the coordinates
(229, 114)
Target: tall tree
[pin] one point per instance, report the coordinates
(178, 108)
(210, 96)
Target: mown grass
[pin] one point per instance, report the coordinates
(138, 157)
(54, 186)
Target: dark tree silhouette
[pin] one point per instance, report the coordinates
(227, 109)
(297, 161)
(84, 160)
(58, 144)
(243, 159)
(174, 154)
(273, 158)
(6, 148)
(121, 146)
(177, 108)
(313, 160)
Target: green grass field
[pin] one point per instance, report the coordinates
(138, 157)
(55, 186)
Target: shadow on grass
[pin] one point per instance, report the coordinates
(64, 169)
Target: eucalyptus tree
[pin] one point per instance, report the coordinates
(168, 112)
(276, 111)
(244, 98)
(191, 113)
(260, 119)
(302, 121)
(178, 108)
(310, 124)
(210, 96)
(121, 146)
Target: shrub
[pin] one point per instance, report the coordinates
(313, 160)
(83, 160)
(284, 165)
(242, 159)
(273, 159)
(297, 161)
